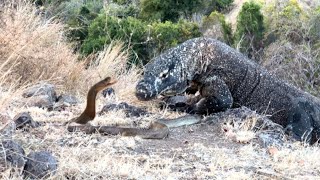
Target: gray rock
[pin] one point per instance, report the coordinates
(24, 119)
(108, 92)
(130, 111)
(68, 99)
(42, 95)
(40, 165)
(7, 126)
(64, 101)
(40, 89)
(11, 155)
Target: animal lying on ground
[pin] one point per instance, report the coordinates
(157, 130)
(225, 79)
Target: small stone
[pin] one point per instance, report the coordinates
(130, 111)
(108, 92)
(68, 99)
(24, 119)
(40, 165)
(11, 155)
(42, 95)
(7, 126)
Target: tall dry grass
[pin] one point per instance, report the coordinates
(35, 49)
(38, 46)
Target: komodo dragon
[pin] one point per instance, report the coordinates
(225, 79)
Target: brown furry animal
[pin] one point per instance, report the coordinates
(157, 130)
(90, 112)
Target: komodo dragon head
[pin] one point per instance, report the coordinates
(169, 73)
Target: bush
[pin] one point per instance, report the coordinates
(123, 9)
(78, 15)
(216, 5)
(173, 10)
(250, 29)
(215, 26)
(105, 29)
(168, 34)
(293, 44)
(142, 40)
(286, 21)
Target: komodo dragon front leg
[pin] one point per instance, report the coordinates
(215, 96)
(301, 118)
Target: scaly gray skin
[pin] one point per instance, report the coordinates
(225, 79)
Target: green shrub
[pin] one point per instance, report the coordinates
(286, 21)
(123, 9)
(144, 40)
(168, 34)
(168, 10)
(210, 6)
(216, 26)
(77, 15)
(104, 29)
(250, 29)
(293, 46)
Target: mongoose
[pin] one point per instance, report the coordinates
(226, 79)
(157, 130)
(90, 111)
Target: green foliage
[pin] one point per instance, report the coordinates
(292, 9)
(293, 43)
(286, 21)
(216, 18)
(123, 8)
(215, 5)
(93, 26)
(77, 14)
(168, 10)
(163, 10)
(250, 28)
(104, 29)
(314, 24)
(142, 39)
(223, 4)
(172, 10)
(168, 34)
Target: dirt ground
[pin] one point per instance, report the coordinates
(226, 146)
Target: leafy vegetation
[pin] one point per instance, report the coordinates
(292, 44)
(34, 48)
(143, 40)
(104, 29)
(173, 10)
(285, 38)
(224, 32)
(250, 29)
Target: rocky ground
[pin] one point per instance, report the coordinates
(236, 144)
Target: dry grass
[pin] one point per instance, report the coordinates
(34, 49)
(95, 156)
(112, 61)
(196, 152)
(36, 44)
